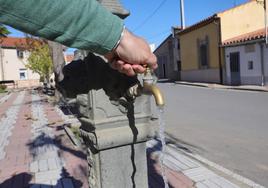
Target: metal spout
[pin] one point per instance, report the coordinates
(148, 87)
(155, 91)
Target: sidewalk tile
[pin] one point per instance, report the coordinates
(42, 165)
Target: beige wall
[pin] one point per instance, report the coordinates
(207, 75)
(242, 19)
(12, 65)
(189, 51)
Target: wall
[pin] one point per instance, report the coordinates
(265, 51)
(242, 19)
(189, 53)
(248, 77)
(12, 64)
(167, 53)
(206, 75)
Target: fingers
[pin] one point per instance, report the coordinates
(152, 62)
(138, 68)
(126, 68)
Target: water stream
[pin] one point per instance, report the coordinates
(163, 143)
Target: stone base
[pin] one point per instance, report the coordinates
(120, 167)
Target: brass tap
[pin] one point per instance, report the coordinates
(149, 87)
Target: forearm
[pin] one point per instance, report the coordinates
(82, 24)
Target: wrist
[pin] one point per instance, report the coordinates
(120, 39)
(113, 54)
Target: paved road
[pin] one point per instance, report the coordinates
(225, 126)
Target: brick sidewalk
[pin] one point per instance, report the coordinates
(37, 152)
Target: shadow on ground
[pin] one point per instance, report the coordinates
(24, 180)
(155, 180)
(58, 141)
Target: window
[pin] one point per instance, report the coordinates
(19, 53)
(23, 74)
(203, 52)
(203, 55)
(250, 65)
(178, 47)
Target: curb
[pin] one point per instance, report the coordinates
(216, 168)
(218, 86)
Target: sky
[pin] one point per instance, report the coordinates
(153, 19)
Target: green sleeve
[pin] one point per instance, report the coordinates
(82, 24)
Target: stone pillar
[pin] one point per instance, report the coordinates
(114, 127)
(116, 134)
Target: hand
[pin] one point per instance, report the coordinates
(131, 54)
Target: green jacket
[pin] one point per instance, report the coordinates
(82, 24)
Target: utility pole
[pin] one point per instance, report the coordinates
(262, 50)
(182, 14)
(1, 63)
(265, 20)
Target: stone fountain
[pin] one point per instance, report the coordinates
(115, 123)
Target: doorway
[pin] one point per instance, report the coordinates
(164, 70)
(235, 68)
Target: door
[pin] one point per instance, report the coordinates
(164, 70)
(179, 69)
(235, 68)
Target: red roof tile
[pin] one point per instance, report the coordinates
(69, 57)
(12, 42)
(255, 35)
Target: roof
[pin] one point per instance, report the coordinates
(200, 24)
(12, 42)
(176, 30)
(115, 7)
(168, 37)
(255, 35)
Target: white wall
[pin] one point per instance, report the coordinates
(265, 49)
(248, 77)
(12, 64)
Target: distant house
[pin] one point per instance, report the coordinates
(168, 58)
(68, 58)
(12, 63)
(202, 57)
(246, 59)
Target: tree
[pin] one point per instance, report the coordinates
(3, 31)
(39, 60)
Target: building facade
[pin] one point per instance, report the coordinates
(168, 57)
(201, 54)
(12, 63)
(246, 59)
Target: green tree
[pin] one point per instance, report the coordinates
(3, 31)
(39, 60)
